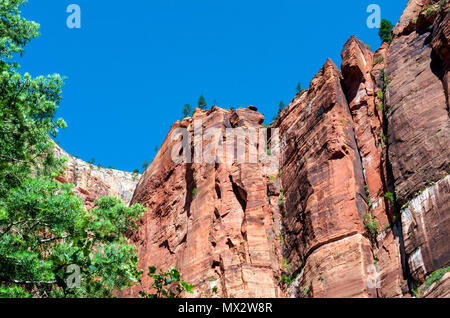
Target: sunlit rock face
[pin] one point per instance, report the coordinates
(92, 182)
(218, 222)
(363, 85)
(352, 201)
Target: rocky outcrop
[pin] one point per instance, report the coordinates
(216, 219)
(439, 289)
(92, 182)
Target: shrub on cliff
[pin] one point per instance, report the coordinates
(50, 246)
(385, 31)
(167, 284)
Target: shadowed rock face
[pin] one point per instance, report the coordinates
(419, 134)
(216, 222)
(419, 126)
(92, 183)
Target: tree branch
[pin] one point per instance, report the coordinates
(53, 239)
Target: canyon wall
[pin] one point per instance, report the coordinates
(359, 205)
(348, 196)
(419, 133)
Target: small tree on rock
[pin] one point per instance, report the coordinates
(187, 110)
(299, 88)
(280, 107)
(385, 32)
(202, 102)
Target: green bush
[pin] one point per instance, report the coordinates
(371, 227)
(435, 276)
(390, 196)
(378, 60)
(167, 284)
(186, 111)
(380, 95)
(281, 199)
(299, 88)
(369, 201)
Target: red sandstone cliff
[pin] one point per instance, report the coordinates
(218, 222)
(357, 205)
(419, 134)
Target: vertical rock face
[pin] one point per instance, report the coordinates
(216, 221)
(324, 186)
(419, 133)
(419, 126)
(426, 224)
(440, 43)
(361, 70)
(360, 89)
(91, 182)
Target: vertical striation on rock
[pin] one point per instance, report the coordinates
(419, 126)
(419, 133)
(361, 70)
(426, 229)
(325, 197)
(217, 221)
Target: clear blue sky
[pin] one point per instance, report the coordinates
(132, 66)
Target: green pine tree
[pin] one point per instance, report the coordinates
(299, 88)
(280, 107)
(187, 110)
(385, 31)
(202, 102)
(50, 246)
